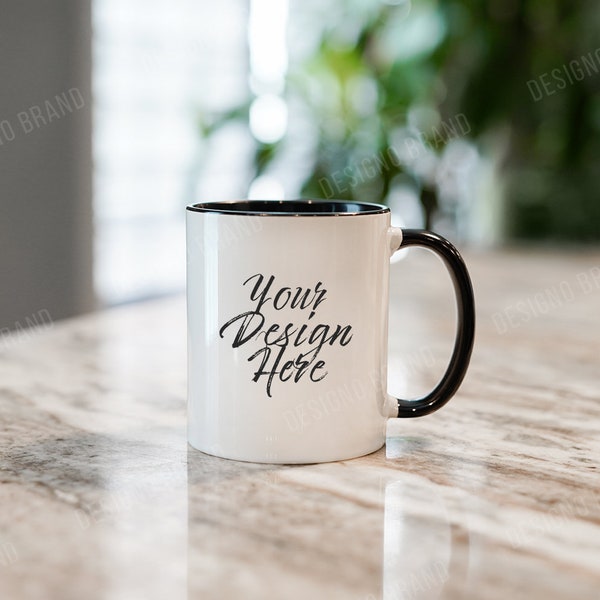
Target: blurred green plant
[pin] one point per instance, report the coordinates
(527, 71)
(511, 68)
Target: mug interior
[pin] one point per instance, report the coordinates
(288, 208)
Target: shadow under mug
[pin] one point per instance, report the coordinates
(287, 305)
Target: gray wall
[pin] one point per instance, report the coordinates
(45, 159)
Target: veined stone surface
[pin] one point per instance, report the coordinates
(495, 496)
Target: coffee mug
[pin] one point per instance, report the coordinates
(287, 307)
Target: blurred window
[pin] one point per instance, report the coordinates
(157, 67)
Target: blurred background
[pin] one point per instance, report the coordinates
(479, 119)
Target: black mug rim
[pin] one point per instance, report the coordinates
(303, 207)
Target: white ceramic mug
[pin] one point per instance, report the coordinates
(287, 305)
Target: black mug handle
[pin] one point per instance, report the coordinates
(465, 327)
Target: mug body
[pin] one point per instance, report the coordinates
(287, 329)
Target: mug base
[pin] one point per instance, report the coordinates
(286, 460)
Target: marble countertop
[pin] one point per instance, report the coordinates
(495, 496)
